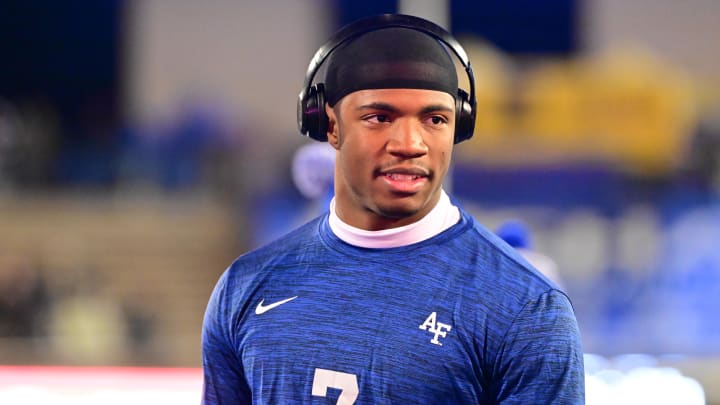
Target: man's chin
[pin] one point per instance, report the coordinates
(399, 210)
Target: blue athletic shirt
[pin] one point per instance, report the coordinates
(459, 318)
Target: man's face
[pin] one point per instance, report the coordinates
(393, 152)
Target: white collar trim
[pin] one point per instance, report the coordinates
(441, 217)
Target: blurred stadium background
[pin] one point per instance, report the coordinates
(145, 144)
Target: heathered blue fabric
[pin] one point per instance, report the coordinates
(510, 336)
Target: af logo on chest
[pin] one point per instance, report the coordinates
(438, 329)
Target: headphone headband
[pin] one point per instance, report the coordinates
(309, 111)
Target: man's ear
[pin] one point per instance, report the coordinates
(333, 127)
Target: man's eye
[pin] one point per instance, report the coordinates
(377, 118)
(437, 120)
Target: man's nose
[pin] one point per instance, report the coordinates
(407, 139)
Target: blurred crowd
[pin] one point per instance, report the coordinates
(68, 319)
(40, 149)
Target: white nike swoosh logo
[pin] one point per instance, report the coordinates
(261, 309)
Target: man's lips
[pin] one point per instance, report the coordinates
(402, 176)
(405, 180)
(397, 171)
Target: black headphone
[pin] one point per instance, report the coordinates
(311, 116)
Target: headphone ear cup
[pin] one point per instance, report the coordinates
(322, 119)
(464, 117)
(312, 119)
(301, 110)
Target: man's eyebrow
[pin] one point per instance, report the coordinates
(390, 108)
(436, 108)
(377, 106)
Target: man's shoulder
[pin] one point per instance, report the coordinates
(297, 238)
(503, 266)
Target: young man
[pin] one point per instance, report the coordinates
(395, 295)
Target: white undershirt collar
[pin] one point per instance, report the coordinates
(441, 217)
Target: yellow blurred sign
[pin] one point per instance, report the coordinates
(623, 109)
